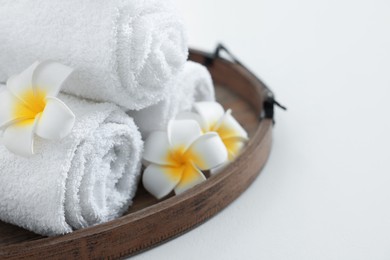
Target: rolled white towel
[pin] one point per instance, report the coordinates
(193, 84)
(123, 51)
(87, 178)
(196, 78)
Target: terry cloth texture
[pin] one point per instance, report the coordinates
(85, 179)
(123, 51)
(193, 84)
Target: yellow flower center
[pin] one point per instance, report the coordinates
(178, 157)
(31, 105)
(183, 164)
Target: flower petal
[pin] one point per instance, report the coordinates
(21, 84)
(228, 127)
(191, 176)
(211, 112)
(207, 152)
(234, 146)
(56, 121)
(157, 149)
(161, 180)
(181, 134)
(193, 116)
(48, 76)
(19, 137)
(219, 169)
(8, 115)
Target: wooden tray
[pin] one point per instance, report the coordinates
(149, 222)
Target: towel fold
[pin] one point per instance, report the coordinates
(87, 178)
(193, 84)
(197, 78)
(123, 51)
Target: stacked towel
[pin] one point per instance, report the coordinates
(123, 51)
(198, 78)
(84, 179)
(193, 84)
(130, 53)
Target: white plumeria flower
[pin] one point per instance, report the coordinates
(176, 158)
(212, 118)
(28, 106)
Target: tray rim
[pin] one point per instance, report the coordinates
(262, 137)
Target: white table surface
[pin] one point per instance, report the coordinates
(325, 192)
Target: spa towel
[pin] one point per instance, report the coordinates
(196, 78)
(87, 178)
(123, 51)
(193, 84)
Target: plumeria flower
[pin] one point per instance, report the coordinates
(29, 107)
(212, 118)
(176, 158)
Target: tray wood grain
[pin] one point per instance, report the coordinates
(150, 222)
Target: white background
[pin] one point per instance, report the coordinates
(325, 192)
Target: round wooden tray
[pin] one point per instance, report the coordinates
(149, 222)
